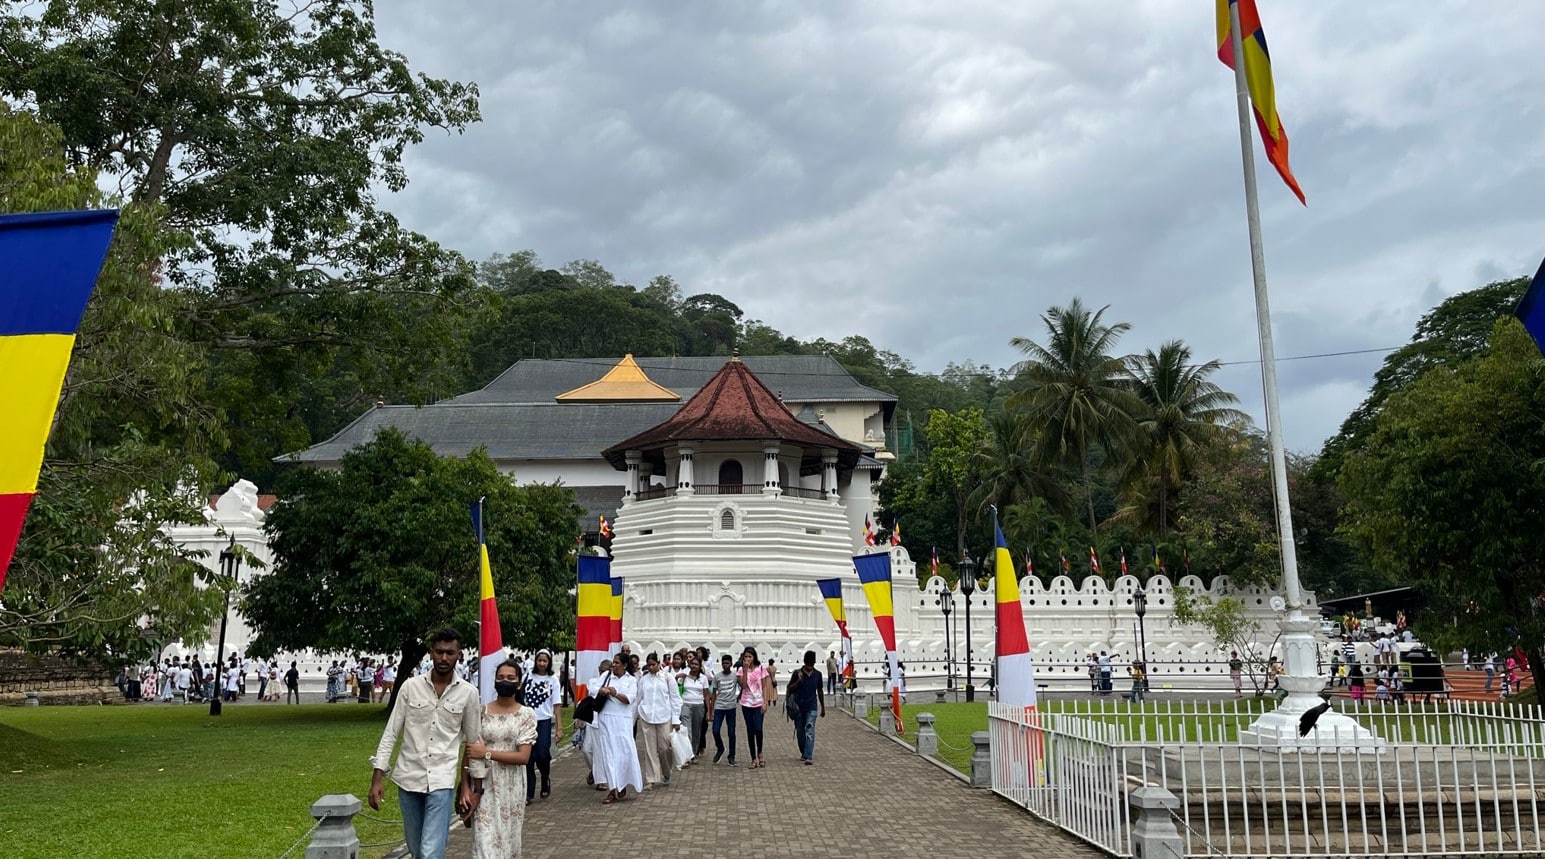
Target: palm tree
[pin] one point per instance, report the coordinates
(1182, 413)
(1079, 394)
(1009, 469)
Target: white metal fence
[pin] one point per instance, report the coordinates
(1452, 779)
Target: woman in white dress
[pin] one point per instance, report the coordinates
(509, 729)
(619, 751)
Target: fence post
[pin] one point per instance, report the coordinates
(887, 721)
(335, 837)
(1154, 835)
(861, 706)
(31, 700)
(981, 759)
(927, 737)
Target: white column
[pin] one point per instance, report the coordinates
(829, 474)
(770, 484)
(630, 487)
(685, 476)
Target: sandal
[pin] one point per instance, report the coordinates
(610, 799)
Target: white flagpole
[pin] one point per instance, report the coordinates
(1300, 652)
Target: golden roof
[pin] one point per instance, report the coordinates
(625, 382)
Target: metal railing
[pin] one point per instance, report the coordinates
(727, 489)
(1451, 779)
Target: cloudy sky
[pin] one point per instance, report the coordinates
(934, 176)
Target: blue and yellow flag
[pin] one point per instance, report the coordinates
(1530, 311)
(48, 268)
(1263, 93)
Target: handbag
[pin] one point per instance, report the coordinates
(681, 748)
(587, 708)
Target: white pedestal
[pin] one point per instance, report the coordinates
(1279, 729)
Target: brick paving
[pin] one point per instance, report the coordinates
(865, 797)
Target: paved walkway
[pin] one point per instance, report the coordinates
(864, 797)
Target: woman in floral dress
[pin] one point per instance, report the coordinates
(509, 729)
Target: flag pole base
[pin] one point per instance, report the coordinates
(1278, 730)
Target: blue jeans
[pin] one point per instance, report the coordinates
(753, 716)
(426, 820)
(541, 758)
(806, 724)
(720, 717)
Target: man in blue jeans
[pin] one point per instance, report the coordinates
(726, 701)
(806, 697)
(436, 714)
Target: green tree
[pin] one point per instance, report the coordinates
(1011, 472)
(1231, 628)
(954, 467)
(1183, 412)
(1448, 493)
(379, 553)
(1077, 393)
(94, 573)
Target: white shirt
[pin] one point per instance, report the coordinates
(232, 680)
(658, 701)
(544, 710)
(692, 689)
(390, 675)
(184, 677)
(433, 728)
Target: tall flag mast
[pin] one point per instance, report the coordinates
(490, 639)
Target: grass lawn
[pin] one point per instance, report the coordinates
(171, 781)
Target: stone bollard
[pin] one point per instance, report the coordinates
(1154, 835)
(31, 700)
(927, 737)
(981, 759)
(938, 696)
(335, 837)
(860, 705)
(887, 721)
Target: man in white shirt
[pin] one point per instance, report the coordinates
(246, 669)
(184, 681)
(436, 714)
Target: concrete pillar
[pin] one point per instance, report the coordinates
(771, 484)
(829, 474)
(685, 475)
(31, 700)
(1154, 835)
(630, 486)
(861, 706)
(335, 837)
(981, 759)
(887, 721)
(927, 737)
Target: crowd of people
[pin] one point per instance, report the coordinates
(639, 723)
(188, 681)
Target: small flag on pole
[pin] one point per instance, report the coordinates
(896, 533)
(606, 529)
(490, 640)
(868, 531)
(1029, 564)
(934, 564)
(1123, 560)
(1530, 311)
(1263, 95)
(1158, 561)
(1094, 560)
(1066, 567)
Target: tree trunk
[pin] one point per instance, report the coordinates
(413, 651)
(1163, 507)
(1089, 493)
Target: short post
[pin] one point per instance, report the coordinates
(981, 759)
(927, 737)
(860, 706)
(31, 700)
(335, 838)
(887, 721)
(938, 696)
(1154, 835)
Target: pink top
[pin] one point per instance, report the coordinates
(751, 696)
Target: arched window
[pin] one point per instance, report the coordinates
(727, 520)
(731, 475)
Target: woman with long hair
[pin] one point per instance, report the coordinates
(541, 694)
(509, 729)
(694, 687)
(753, 680)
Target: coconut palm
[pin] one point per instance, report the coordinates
(1080, 395)
(1010, 471)
(1183, 412)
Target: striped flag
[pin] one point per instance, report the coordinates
(1158, 561)
(831, 591)
(48, 267)
(1066, 567)
(490, 639)
(1530, 311)
(1263, 94)
(616, 615)
(1016, 675)
(606, 529)
(874, 573)
(868, 531)
(1029, 564)
(896, 533)
(1123, 560)
(1094, 560)
(593, 636)
(934, 564)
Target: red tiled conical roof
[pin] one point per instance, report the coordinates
(734, 406)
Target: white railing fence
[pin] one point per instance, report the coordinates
(1450, 779)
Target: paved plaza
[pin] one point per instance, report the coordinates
(865, 797)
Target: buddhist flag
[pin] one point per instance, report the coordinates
(1123, 560)
(1029, 564)
(874, 573)
(1530, 311)
(868, 531)
(896, 533)
(1094, 560)
(1016, 676)
(831, 591)
(1066, 567)
(48, 267)
(606, 529)
(593, 637)
(616, 615)
(490, 639)
(1263, 96)
(934, 564)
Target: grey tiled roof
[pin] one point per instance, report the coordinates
(797, 378)
(598, 501)
(522, 431)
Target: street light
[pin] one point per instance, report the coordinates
(230, 566)
(967, 588)
(946, 604)
(1140, 607)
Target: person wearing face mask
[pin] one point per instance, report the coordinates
(508, 731)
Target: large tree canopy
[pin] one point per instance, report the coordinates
(379, 553)
(1448, 493)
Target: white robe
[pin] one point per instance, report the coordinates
(619, 752)
(593, 748)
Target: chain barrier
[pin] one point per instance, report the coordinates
(1175, 815)
(304, 837)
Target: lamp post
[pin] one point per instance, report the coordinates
(967, 588)
(945, 606)
(1140, 608)
(230, 566)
